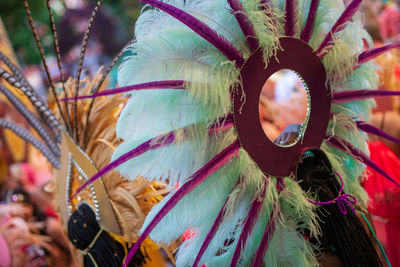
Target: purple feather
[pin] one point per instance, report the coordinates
(269, 231)
(359, 155)
(244, 23)
(375, 52)
(151, 144)
(346, 16)
(173, 84)
(213, 230)
(154, 143)
(280, 184)
(249, 223)
(368, 128)
(195, 180)
(347, 96)
(264, 4)
(201, 29)
(290, 18)
(312, 14)
(223, 124)
(219, 129)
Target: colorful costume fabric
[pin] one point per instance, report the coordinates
(385, 197)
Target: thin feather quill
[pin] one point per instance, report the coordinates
(262, 249)
(290, 18)
(249, 223)
(309, 28)
(213, 230)
(347, 96)
(368, 128)
(375, 52)
(151, 144)
(244, 23)
(360, 156)
(173, 84)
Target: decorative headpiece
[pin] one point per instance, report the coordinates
(5, 257)
(79, 139)
(194, 76)
(17, 196)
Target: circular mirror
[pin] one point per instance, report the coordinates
(283, 107)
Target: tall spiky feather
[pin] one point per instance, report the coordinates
(131, 200)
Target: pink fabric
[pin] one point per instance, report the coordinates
(397, 73)
(389, 22)
(188, 234)
(29, 172)
(384, 195)
(33, 179)
(5, 255)
(385, 198)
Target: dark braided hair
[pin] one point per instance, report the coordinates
(341, 234)
(83, 229)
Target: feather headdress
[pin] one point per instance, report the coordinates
(78, 140)
(186, 73)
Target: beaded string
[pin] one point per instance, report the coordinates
(341, 200)
(73, 163)
(303, 126)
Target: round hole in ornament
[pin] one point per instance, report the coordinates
(298, 56)
(283, 107)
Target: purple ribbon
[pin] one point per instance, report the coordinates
(346, 199)
(341, 200)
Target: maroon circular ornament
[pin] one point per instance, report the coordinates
(298, 56)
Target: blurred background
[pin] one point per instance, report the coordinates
(30, 230)
(112, 29)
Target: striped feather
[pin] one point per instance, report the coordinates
(32, 120)
(44, 112)
(28, 137)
